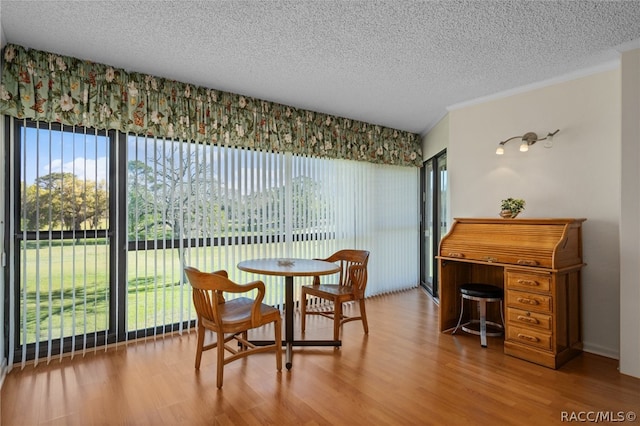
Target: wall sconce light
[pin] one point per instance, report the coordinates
(528, 139)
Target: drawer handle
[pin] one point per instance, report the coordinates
(527, 301)
(490, 259)
(529, 283)
(528, 319)
(527, 337)
(527, 262)
(459, 255)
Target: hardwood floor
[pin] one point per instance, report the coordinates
(403, 372)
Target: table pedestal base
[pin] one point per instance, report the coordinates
(289, 346)
(299, 267)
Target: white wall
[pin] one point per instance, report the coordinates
(630, 214)
(437, 139)
(3, 39)
(578, 177)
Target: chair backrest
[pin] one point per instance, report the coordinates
(358, 280)
(348, 260)
(207, 288)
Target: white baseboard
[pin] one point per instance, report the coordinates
(601, 350)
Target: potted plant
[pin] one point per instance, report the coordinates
(511, 207)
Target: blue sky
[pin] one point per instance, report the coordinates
(86, 155)
(50, 151)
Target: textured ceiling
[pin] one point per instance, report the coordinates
(394, 63)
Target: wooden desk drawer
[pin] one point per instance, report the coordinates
(529, 319)
(529, 301)
(529, 337)
(528, 281)
(495, 255)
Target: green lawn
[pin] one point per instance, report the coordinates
(71, 285)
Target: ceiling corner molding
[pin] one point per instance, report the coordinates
(632, 45)
(432, 124)
(606, 66)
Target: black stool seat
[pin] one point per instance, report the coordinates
(481, 290)
(482, 293)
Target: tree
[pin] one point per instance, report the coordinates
(169, 197)
(61, 200)
(267, 206)
(173, 196)
(141, 223)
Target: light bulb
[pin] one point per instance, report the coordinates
(500, 150)
(548, 143)
(524, 147)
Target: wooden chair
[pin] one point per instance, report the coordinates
(230, 320)
(351, 285)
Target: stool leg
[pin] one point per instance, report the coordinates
(459, 319)
(482, 305)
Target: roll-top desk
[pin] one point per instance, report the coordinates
(538, 263)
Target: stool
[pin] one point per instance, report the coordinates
(482, 293)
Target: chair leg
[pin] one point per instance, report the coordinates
(482, 306)
(245, 337)
(278, 341)
(461, 313)
(337, 319)
(363, 314)
(220, 366)
(199, 345)
(303, 312)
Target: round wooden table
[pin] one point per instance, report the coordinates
(290, 268)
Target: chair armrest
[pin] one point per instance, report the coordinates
(256, 314)
(231, 287)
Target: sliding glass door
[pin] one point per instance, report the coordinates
(434, 218)
(62, 206)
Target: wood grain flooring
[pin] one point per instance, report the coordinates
(403, 373)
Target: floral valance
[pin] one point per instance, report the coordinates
(48, 87)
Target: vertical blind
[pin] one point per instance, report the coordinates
(208, 206)
(4, 367)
